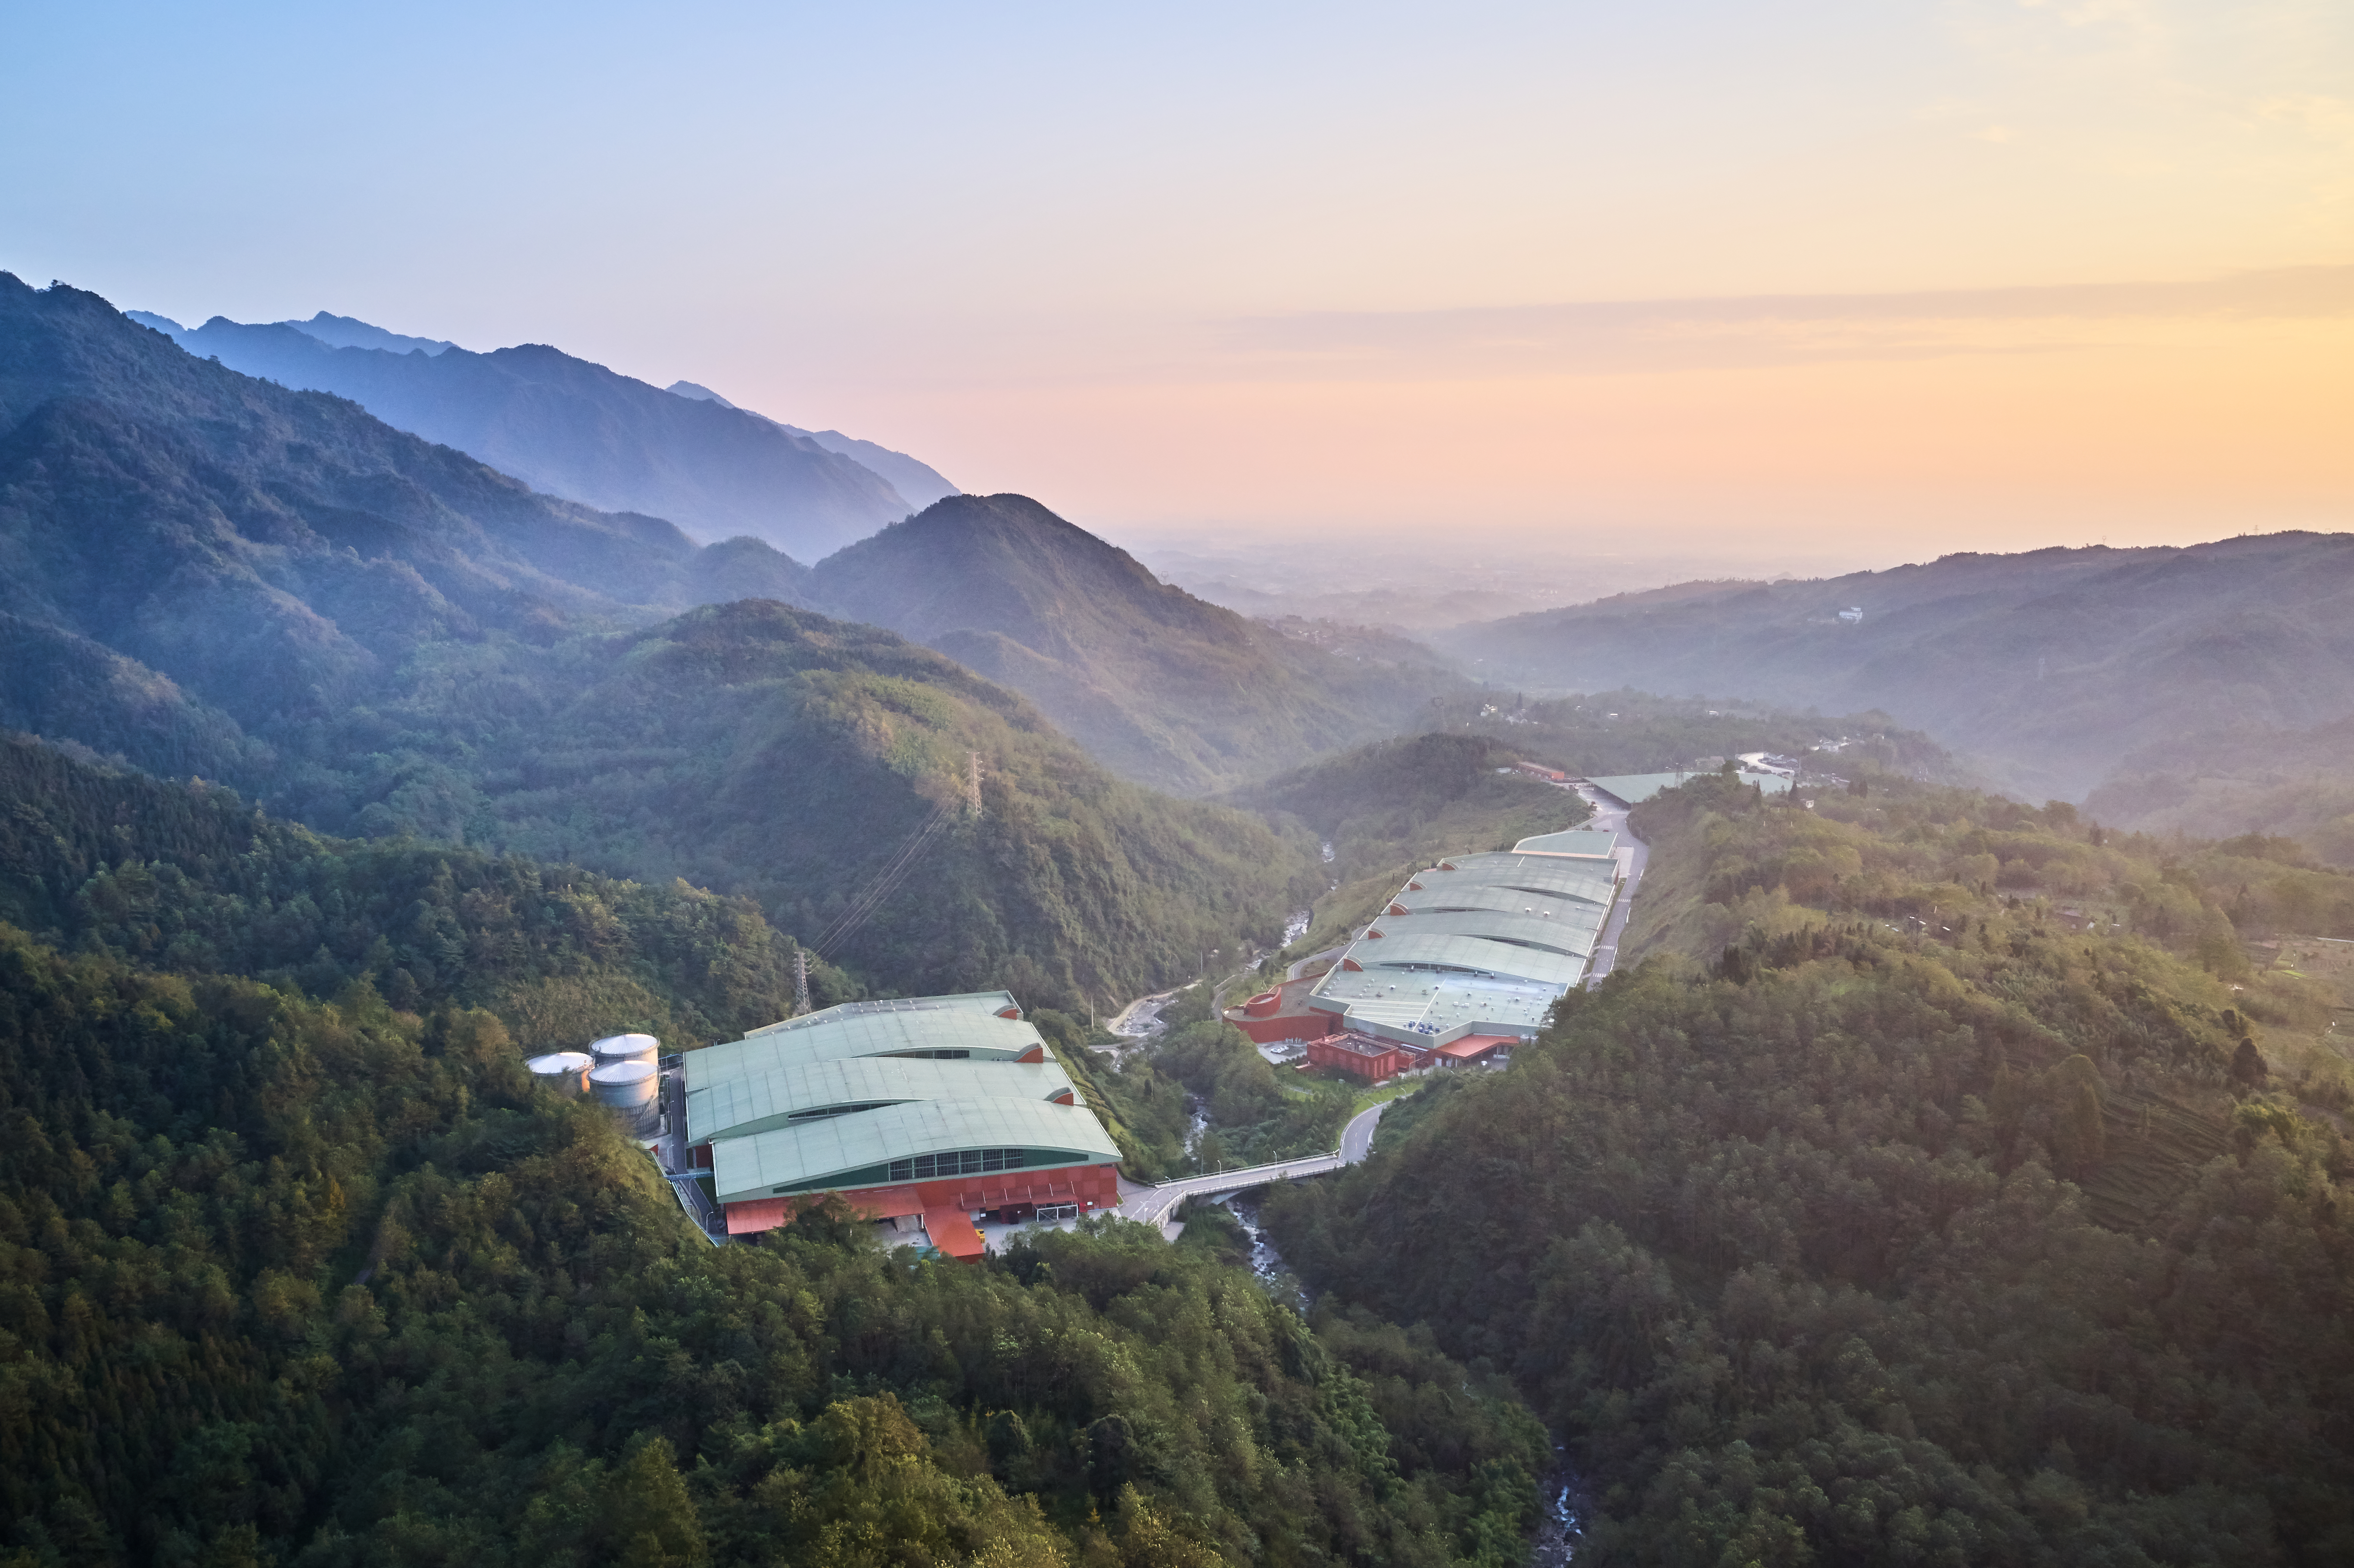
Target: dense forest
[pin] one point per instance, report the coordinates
(1939, 1180)
(754, 748)
(291, 1274)
(1251, 1112)
(190, 879)
(1954, 1183)
(1160, 687)
(1382, 809)
(214, 575)
(1391, 802)
(187, 877)
(1197, 1098)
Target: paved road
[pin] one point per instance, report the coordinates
(1357, 1138)
(1634, 855)
(1153, 1205)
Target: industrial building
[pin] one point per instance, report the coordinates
(1363, 1056)
(928, 1112)
(1474, 951)
(1634, 789)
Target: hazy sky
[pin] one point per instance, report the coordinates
(1888, 278)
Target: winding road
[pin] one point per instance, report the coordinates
(1634, 855)
(1153, 1205)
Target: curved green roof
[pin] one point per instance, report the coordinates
(736, 1105)
(982, 1036)
(999, 1003)
(1503, 868)
(855, 1151)
(1592, 842)
(1636, 788)
(1471, 955)
(1570, 933)
(1449, 898)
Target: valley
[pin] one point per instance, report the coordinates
(348, 771)
(1091, 787)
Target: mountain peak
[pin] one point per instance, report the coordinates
(697, 392)
(349, 331)
(573, 428)
(1162, 687)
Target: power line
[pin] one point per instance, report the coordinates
(895, 871)
(885, 883)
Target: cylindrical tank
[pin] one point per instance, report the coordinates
(626, 1048)
(631, 1089)
(566, 1072)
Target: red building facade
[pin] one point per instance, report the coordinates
(1283, 1013)
(1363, 1055)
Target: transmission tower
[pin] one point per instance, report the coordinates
(973, 781)
(801, 980)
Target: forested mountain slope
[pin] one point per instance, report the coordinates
(2047, 666)
(1165, 689)
(187, 877)
(240, 487)
(588, 434)
(208, 574)
(2244, 779)
(184, 545)
(329, 1282)
(1392, 807)
(756, 748)
(1970, 1196)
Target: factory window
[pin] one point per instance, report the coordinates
(957, 1162)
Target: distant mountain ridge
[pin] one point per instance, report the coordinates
(2050, 666)
(277, 552)
(1166, 689)
(209, 574)
(334, 331)
(918, 482)
(575, 429)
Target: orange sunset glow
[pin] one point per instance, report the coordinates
(1988, 272)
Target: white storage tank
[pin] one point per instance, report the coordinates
(631, 1090)
(626, 1048)
(566, 1072)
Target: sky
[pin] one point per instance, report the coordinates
(1860, 281)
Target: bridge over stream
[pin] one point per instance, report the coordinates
(1153, 1205)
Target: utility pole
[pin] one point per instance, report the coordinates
(801, 979)
(973, 781)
